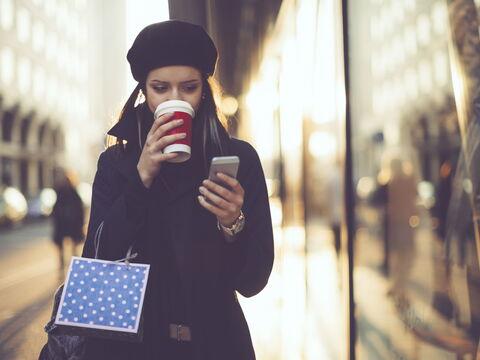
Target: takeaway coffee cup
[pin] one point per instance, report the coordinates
(181, 110)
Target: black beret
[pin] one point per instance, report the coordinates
(171, 42)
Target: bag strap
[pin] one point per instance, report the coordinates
(96, 242)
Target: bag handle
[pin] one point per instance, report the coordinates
(96, 242)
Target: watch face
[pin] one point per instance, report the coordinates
(238, 226)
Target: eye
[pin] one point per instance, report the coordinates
(159, 88)
(190, 88)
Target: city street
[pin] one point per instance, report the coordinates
(28, 268)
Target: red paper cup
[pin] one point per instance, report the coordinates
(181, 110)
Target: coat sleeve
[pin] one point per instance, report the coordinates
(250, 256)
(121, 205)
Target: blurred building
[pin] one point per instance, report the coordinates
(61, 78)
(405, 49)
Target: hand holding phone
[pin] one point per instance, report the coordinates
(223, 197)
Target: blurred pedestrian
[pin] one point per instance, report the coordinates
(67, 214)
(401, 212)
(335, 202)
(201, 252)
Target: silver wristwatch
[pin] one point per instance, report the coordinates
(236, 227)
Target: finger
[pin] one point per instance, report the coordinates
(158, 122)
(217, 200)
(218, 189)
(213, 209)
(232, 182)
(224, 193)
(161, 157)
(160, 144)
(165, 128)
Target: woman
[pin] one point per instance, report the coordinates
(204, 241)
(67, 215)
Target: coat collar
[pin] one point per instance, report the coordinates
(129, 128)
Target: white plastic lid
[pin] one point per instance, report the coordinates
(171, 106)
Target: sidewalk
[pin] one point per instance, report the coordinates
(28, 278)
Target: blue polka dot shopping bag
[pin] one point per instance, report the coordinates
(99, 298)
(103, 295)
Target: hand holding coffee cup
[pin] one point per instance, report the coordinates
(152, 154)
(181, 110)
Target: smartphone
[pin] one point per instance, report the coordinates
(225, 164)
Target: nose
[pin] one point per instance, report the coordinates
(175, 94)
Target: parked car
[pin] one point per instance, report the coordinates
(13, 206)
(41, 206)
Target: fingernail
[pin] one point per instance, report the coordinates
(180, 121)
(184, 135)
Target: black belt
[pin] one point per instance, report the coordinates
(180, 332)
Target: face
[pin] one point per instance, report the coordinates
(174, 83)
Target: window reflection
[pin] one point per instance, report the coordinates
(6, 14)
(38, 36)
(416, 165)
(441, 68)
(23, 25)
(440, 17)
(52, 46)
(39, 82)
(7, 65)
(410, 39)
(24, 75)
(50, 7)
(423, 29)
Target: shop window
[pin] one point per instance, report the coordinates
(52, 46)
(24, 173)
(50, 7)
(6, 14)
(38, 36)
(416, 264)
(440, 17)
(6, 164)
(7, 126)
(423, 29)
(41, 134)
(24, 130)
(40, 173)
(7, 65)
(39, 82)
(24, 75)
(425, 76)
(441, 68)
(410, 40)
(23, 25)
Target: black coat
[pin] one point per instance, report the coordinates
(194, 273)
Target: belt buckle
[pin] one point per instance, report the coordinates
(179, 330)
